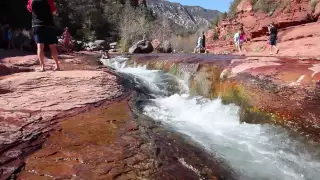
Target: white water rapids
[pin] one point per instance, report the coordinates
(254, 151)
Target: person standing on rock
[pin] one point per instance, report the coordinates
(239, 39)
(273, 31)
(66, 39)
(199, 45)
(43, 28)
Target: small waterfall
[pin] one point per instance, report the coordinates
(255, 151)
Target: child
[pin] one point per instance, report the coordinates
(105, 55)
(66, 39)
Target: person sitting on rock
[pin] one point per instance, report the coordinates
(43, 28)
(105, 55)
(273, 37)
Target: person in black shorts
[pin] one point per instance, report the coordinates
(273, 31)
(43, 28)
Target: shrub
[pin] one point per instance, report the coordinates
(218, 19)
(313, 4)
(134, 26)
(267, 6)
(233, 8)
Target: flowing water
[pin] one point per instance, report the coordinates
(254, 151)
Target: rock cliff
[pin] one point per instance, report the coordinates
(290, 16)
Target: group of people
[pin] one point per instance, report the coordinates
(201, 44)
(240, 37)
(45, 33)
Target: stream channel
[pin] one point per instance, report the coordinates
(254, 151)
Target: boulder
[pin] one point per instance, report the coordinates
(156, 43)
(102, 44)
(4, 70)
(141, 47)
(166, 47)
(78, 45)
(113, 45)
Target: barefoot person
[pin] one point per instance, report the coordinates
(43, 27)
(273, 37)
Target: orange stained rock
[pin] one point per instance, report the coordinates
(86, 147)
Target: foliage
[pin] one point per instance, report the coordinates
(135, 24)
(233, 7)
(313, 4)
(218, 19)
(267, 6)
(215, 35)
(95, 19)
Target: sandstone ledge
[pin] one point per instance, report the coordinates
(31, 104)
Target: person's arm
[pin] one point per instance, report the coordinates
(52, 7)
(29, 6)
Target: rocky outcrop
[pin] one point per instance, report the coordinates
(189, 17)
(162, 47)
(254, 18)
(142, 46)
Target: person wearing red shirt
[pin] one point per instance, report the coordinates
(43, 28)
(66, 39)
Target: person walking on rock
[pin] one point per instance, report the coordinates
(273, 31)
(43, 28)
(239, 39)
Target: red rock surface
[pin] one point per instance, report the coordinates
(31, 102)
(292, 18)
(80, 123)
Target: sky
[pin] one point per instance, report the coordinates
(221, 5)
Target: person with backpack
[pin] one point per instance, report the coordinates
(43, 28)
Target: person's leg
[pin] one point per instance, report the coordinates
(40, 52)
(239, 47)
(54, 54)
(9, 44)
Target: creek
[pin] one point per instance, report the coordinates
(253, 151)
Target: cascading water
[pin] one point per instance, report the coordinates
(254, 151)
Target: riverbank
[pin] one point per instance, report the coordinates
(86, 118)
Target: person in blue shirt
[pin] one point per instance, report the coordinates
(9, 37)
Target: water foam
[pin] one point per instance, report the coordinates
(254, 151)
